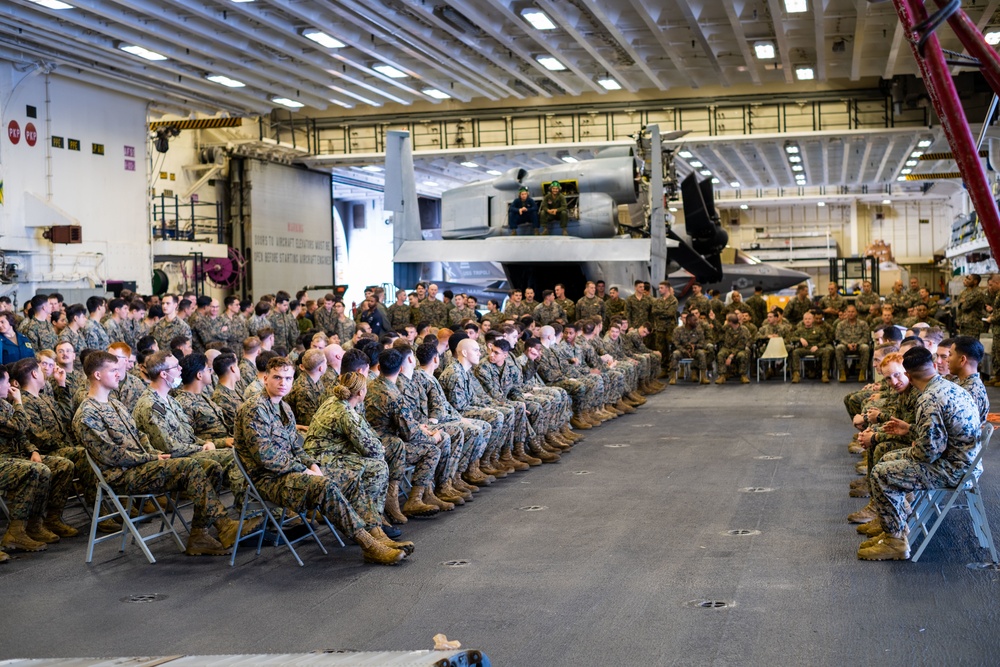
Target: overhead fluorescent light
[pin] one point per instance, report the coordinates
(886, 201)
(322, 39)
(389, 71)
(992, 37)
(494, 172)
(686, 154)
(744, 207)
(568, 159)
(696, 164)
(764, 50)
(805, 73)
(52, 4)
(285, 102)
(716, 181)
(609, 84)
(821, 204)
(436, 94)
(926, 142)
(911, 163)
(538, 19)
(672, 209)
(372, 168)
(901, 178)
(791, 149)
(225, 81)
(430, 184)
(141, 52)
(794, 158)
(241, 1)
(906, 171)
(916, 153)
(734, 184)
(469, 164)
(705, 172)
(797, 167)
(550, 63)
(795, 6)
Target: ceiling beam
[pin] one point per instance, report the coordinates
(733, 13)
(652, 24)
(699, 36)
(559, 14)
(774, 8)
(864, 162)
(885, 159)
(824, 147)
(819, 18)
(611, 26)
(857, 48)
(897, 42)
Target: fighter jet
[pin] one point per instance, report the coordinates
(618, 231)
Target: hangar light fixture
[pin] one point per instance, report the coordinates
(241, 1)
(804, 73)
(886, 201)
(794, 158)
(797, 167)
(716, 181)
(764, 50)
(744, 207)
(373, 168)
(686, 154)
(791, 149)
(390, 71)
(322, 39)
(795, 6)
(916, 153)
(609, 84)
(705, 172)
(550, 63)
(141, 52)
(569, 159)
(494, 172)
(905, 171)
(734, 184)
(696, 164)
(925, 143)
(911, 163)
(436, 94)
(821, 204)
(992, 37)
(225, 81)
(469, 164)
(52, 4)
(538, 19)
(430, 184)
(285, 102)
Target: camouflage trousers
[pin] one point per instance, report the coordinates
(523, 430)
(614, 383)
(994, 359)
(739, 364)
(86, 481)
(577, 391)
(301, 492)
(420, 452)
(221, 471)
(823, 353)
(593, 396)
(698, 360)
(185, 475)
(362, 480)
(447, 466)
(874, 455)
(864, 354)
(892, 479)
(556, 401)
(854, 402)
(632, 370)
(662, 340)
(25, 487)
(501, 430)
(476, 435)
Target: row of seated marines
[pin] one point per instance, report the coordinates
(332, 430)
(918, 428)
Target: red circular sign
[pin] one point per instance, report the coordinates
(30, 134)
(14, 132)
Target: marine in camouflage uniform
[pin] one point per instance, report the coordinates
(515, 311)
(267, 443)
(532, 382)
(489, 376)
(798, 307)
(814, 336)
(663, 317)
(434, 311)
(589, 306)
(613, 378)
(549, 369)
(970, 307)
(946, 440)
(547, 313)
(117, 331)
(344, 329)
(638, 311)
(325, 318)
(166, 330)
(305, 398)
(41, 333)
(286, 329)
(228, 401)
(977, 390)
(899, 300)
(433, 406)
(208, 421)
(734, 343)
(95, 335)
(758, 308)
(39, 488)
(73, 337)
(351, 454)
(457, 315)
(163, 421)
(613, 307)
(689, 343)
(635, 345)
(404, 442)
(466, 395)
(50, 433)
(400, 315)
(853, 333)
(572, 367)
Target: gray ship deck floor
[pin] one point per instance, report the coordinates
(602, 576)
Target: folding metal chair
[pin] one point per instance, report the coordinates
(129, 523)
(930, 507)
(278, 517)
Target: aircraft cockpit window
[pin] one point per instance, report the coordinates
(743, 258)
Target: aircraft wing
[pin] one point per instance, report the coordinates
(516, 249)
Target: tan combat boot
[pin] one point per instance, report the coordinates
(416, 507)
(227, 529)
(826, 377)
(542, 454)
(554, 445)
(376, 552)
(200, 543)
(704, 377)
(578, 422)
(54, 522)
(863, 515)
(475, 477)
(4, 557)
(721, 379)
(37, 531)
(870, 529)
(744, 379)
(524, 457)
(843, 375)
(405, 546)
(673, 378)
(508, 461)
(430, 498)
(466, 490)
(795, 377)
(568, 434)
(888, 547)
(392, 510)
(17, 538)
(448, 493)
(624, 407)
